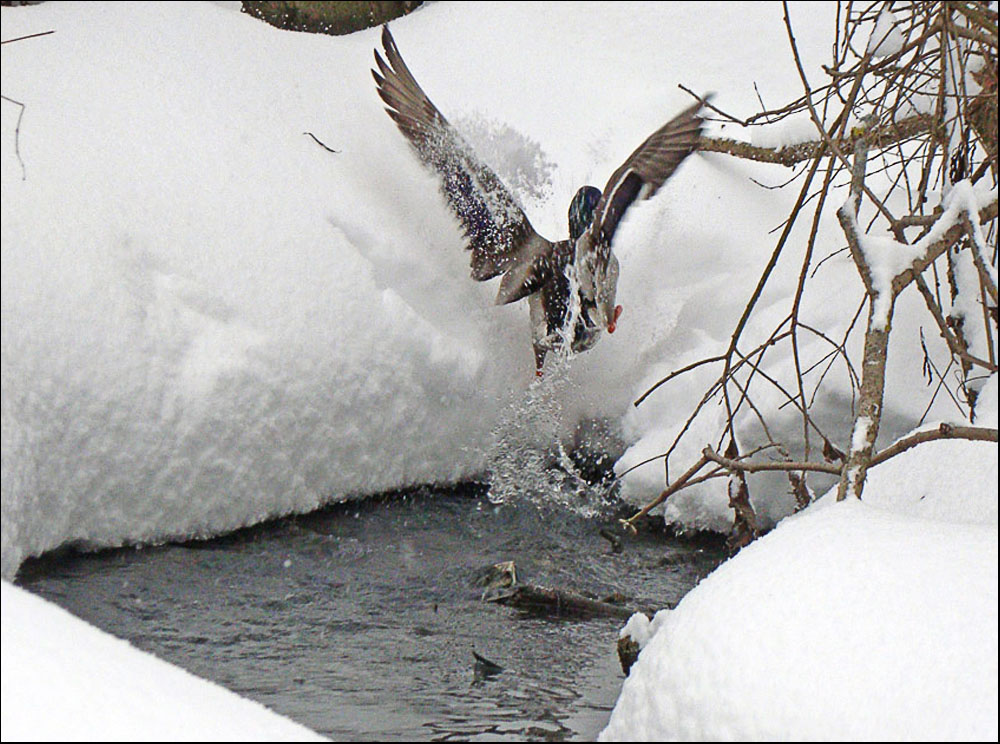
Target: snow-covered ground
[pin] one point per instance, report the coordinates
(873, 620)
(209, 320)
(64, 680)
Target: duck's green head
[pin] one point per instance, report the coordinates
(581, 210)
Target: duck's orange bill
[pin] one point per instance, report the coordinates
(614, 322)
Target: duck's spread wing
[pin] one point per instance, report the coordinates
(498, 232)
(644, 172)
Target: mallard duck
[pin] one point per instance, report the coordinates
(570, 284)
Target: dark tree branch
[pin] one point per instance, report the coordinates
(317, 141)
(791, 155)
(29, 36)
(944, 431)
(672, 489)
(17, 133)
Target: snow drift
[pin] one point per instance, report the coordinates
(64, 680)
(209, 320)
(852, 620)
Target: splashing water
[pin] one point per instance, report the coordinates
(529, 462)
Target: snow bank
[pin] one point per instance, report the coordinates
(209, 320)
(856, 620)
(65, 680)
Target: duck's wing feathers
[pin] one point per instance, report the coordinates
(643, 173)
(498, 232)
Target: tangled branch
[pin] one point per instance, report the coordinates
(907, 121)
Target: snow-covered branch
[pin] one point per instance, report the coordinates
(947, 231)
(791, 154)
(908, 117)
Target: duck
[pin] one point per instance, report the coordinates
(570, 285)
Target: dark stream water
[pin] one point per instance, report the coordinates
(359, 621)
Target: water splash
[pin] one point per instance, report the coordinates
(529, 462)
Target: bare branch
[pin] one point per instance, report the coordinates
(758, 467)
(674, 488)
(678, 373)
(921, 128)
(955, 343)
(938, 247)
(791, 155)
(944, 431)
(29, 36)
(17, 133)
(317, 141)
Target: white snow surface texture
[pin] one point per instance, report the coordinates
(209, 320)
(66, 680)
(873, 620)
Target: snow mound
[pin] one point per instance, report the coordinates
(852, 620)
(65, 680)
(209, 320)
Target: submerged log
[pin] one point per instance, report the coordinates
(558, 603)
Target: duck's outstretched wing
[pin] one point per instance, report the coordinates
(642, 174)
(498, 232)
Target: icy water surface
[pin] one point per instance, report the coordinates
(359, 621)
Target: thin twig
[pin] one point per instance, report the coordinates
(17, 132)
(678, 373)
(677, 485)
(709, 106)
(316, 139)
(29, 36)
(757, 467)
